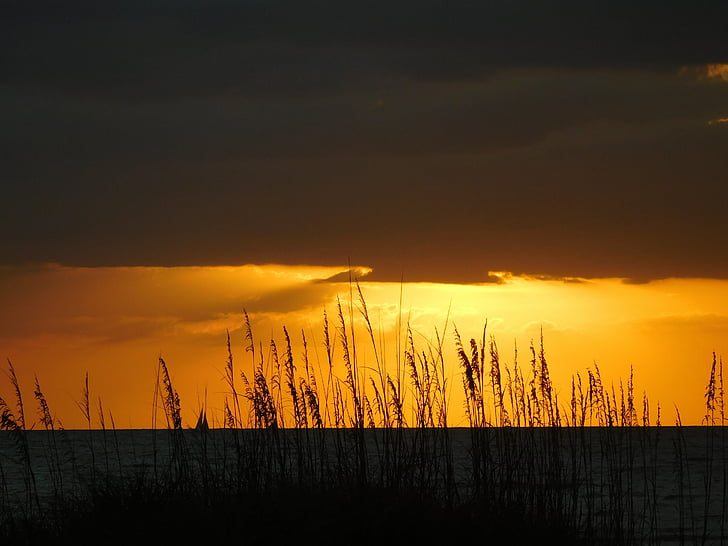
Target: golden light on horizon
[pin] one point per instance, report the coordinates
(713, 71)
(717, 71)
(59, 323)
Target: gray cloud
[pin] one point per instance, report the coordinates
(398, 118)
(140, 50)
(430, 140)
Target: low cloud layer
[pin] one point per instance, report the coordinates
(115, 305)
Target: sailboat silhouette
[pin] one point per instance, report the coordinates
(202, 421)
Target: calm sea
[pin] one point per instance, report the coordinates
(674, 480)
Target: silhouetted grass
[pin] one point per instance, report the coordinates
(327, 445)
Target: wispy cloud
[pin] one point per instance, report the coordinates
(688, 325)
(112, 305)
(717, 71)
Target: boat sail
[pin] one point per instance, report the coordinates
(202, 421)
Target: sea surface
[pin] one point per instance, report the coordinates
(670, 484)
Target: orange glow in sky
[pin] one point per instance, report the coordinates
(60, 322)
(717, 71)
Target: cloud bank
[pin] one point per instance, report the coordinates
(431, 140)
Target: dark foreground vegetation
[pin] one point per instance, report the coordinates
(339, 452)
(283, 515)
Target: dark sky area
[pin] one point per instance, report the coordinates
(435, 140)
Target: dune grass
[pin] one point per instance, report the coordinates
(327, 444)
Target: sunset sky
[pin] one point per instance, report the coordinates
(166, 164)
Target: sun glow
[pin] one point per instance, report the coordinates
(60, 323)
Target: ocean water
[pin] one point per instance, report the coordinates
(663, 485)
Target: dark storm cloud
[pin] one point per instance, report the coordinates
(434, 140)
(141, 49)
(513, 110)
